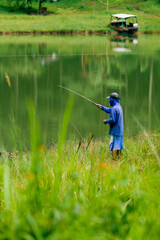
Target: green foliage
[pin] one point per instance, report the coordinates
(96, 198)
(34, 128)
(7, 192)
(62, 138)
(18, 4)
(129, 8)
(24, 5)
(61, 194)
(70, 16)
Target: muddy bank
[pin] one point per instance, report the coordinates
(65, 32)
(59, 32)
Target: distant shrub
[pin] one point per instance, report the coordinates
(18, 4)
(81, 7)
(129, 8)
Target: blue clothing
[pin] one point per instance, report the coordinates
(116, 143)
(116, 119)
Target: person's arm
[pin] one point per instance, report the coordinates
(113, 117)
(105, 109)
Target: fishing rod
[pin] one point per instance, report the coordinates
(77, 94)
(80, 95)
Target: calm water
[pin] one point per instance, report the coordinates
(32, 67)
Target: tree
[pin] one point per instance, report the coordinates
(23, 3)
(107, 5)
(40, 3)
(18, 3)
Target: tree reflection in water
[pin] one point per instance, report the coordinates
(93, 66)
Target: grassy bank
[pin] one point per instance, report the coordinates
(72, 17)
(60, 194)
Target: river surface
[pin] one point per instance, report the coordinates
(31, 68)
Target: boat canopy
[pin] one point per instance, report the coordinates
(124, 16)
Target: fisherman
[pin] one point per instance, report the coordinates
(115, 124)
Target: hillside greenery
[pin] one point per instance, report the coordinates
(75, 16)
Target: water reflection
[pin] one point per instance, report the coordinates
(122, 43)
(88, 65)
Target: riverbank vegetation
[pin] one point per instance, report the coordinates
(63, 194)
(68, 193)
(75, 16)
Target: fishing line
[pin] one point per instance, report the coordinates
(77, 94)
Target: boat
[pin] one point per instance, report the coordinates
(124, 23)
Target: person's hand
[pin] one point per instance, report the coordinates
(99, 105)
(104, 121)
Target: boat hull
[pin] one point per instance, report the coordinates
(126, 30)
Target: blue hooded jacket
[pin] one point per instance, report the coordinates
(116, 119)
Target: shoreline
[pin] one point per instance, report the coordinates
(72, 32)
(73, 19)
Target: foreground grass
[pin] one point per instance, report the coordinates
(72, 17)
(60, 194)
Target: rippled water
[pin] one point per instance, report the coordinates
(31, 68)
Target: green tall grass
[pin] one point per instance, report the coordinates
(59, 193)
